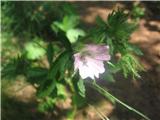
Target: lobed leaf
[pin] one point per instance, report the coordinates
(81, 87)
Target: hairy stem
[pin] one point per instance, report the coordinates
(107, 94)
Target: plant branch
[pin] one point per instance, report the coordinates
(107, 94)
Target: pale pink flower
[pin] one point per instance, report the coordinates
(90, 60)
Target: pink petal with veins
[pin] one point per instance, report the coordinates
(91, 64)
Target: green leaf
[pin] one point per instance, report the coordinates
(81, 87)
(111, 46)
(16, 66)
(34, 49)
(70, 22)
(61, 91)
(73, 34)
(50, 53)
(66, 63)
(69, 9)
(67, 23)
(47, 104)
(78, 100)
(137, 11)
(130, 65)
(56, 72)
(109, 77)
(135, 49)
(36, 72)
(9, 70)
(55, 67)
(46, 87)
(50, 83)
(100, 22)
(116, 31)
(63, 39)
(57, 25)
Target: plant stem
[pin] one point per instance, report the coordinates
(107, 94)
(71, 113)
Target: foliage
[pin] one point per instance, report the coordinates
(129, 64)
(31, 18)
(34, 50)
(137, 12)
(68, 25)
(59, 27)
(116, 32)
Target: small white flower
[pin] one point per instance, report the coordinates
(89, 62)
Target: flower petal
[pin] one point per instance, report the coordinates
(91, 64)
(96, 65)
(103, 57)
(77, 61)
(86, 72)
